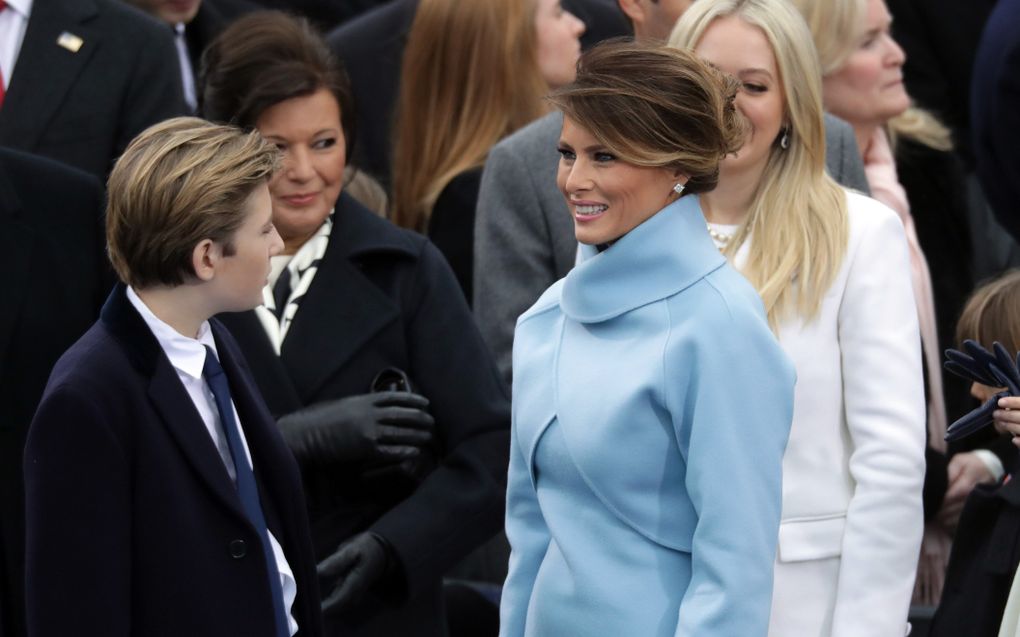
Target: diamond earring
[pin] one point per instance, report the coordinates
(678, 188)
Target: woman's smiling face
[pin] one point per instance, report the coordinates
(607, 196)
(740, 49)
(308, 132)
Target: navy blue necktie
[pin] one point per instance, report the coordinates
(246, 487)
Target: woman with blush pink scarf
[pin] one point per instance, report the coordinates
(911, 168)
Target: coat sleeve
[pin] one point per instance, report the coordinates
(883, 396)
(732, 420)
(513, 259)
(78, 520)
(529, 538)
(460, 504)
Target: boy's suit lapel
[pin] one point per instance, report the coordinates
(168, 397)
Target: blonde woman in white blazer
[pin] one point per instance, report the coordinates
(832, 269)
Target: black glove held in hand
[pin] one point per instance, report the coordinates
(368, 429)
(359, 563)
(981, 366)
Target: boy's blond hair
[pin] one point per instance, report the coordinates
(179, 182)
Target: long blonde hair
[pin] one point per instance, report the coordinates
(470, 77)
(920, 126)
(798, 217)
(836, 28)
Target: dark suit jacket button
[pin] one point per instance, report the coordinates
(238, 549)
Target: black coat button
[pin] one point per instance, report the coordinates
(238, 549)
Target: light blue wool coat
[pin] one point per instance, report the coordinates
(651, 410)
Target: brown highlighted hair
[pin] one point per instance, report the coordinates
(264, 58)
(992, 313)
(178, 183)
(470, 77)
(651, 105)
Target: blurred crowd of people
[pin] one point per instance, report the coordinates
(698, 200)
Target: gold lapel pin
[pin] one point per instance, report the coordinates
(70, 41)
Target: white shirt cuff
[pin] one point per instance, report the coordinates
(992, 463)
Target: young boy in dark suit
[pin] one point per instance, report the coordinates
(160, 499)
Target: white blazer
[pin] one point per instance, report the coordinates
(854, 467)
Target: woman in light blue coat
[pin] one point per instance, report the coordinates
(652, 403)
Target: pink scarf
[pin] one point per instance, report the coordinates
(880, 168)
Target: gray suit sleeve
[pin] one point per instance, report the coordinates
(513, 250)
(842, 157)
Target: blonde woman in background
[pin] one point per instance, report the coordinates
(910, 168)
(832, 268)
(473, 72)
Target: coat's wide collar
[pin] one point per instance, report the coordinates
(660, 257)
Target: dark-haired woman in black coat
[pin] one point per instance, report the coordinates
(365, 351)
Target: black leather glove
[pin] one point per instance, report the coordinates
(359, 564)
(364, 430)
(977, 364)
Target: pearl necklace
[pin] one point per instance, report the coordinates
(718, 237)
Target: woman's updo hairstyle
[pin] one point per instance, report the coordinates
(268, 57)
(651, 105)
